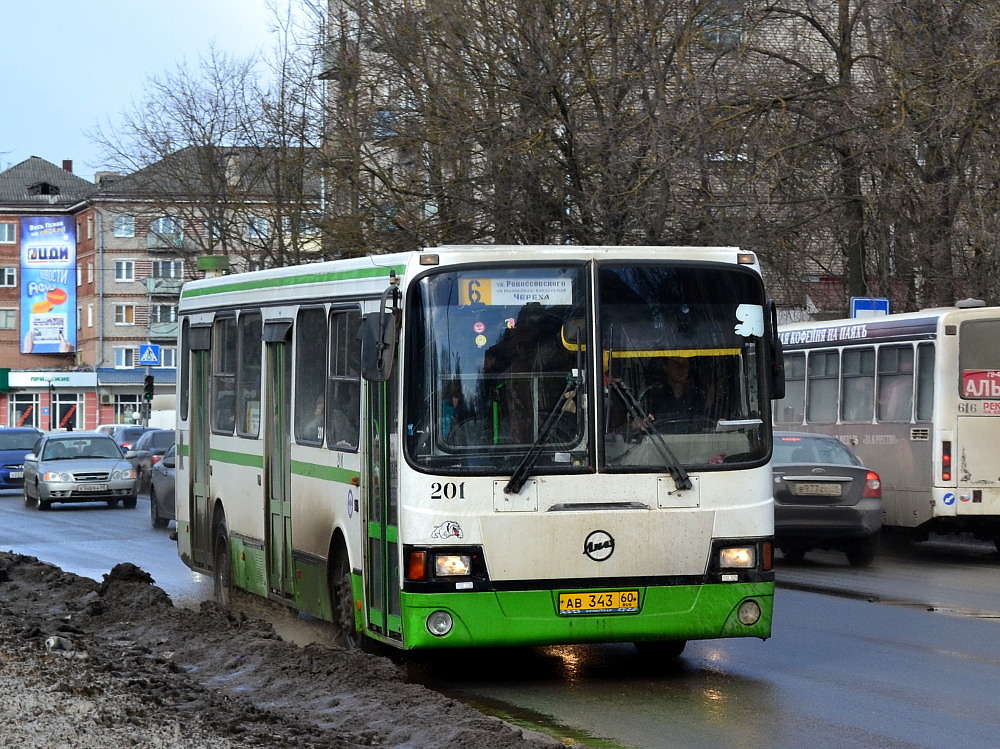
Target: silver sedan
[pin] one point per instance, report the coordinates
(78, 467)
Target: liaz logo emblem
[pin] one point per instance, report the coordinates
(599, 545)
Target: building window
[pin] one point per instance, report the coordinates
(90, 273)
(124, 358)
(8, 276)
(90, 227)
(163, 313)
(126, 408)
(165, 232)
(168, 269)
(124, 314)
(90, 315)
(8, 319)
(24, 410)
(8, 233)
(124, 270)
(168, 357)
(257, 228)
(722, 23)
(124, 226)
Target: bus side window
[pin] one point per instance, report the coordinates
(859, 384)
(310, 374)
(224, 360)
(925, 381)
(822, 387)
(895, 383)
(790, 409)
(343, 387)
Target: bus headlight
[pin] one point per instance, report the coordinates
(446, 565)
(748, 613)
(439, 623)
(738, 557)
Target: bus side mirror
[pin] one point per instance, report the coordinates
(378, 344)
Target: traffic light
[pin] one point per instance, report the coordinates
(147, 388)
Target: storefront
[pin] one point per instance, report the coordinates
(50, 400)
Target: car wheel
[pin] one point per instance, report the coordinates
(112, 503)
(29, 501)
(129, 502)
(44, 505)
(864, 553)
(342, 598)
(223, 578)
(154, 511)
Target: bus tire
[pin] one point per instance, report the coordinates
(222, 568)
(342, 600)
(662, 651)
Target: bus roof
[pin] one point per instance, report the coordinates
(368, 275)
(923, 324)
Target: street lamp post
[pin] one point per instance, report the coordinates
(52, 404)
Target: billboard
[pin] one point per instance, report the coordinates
(48, 284)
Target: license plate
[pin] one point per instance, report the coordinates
(92, 487)
(823, 490)
(16, 474)
(608, 602)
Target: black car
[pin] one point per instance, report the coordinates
(146, 451)
(824, 498)
(161, 490)
(126, 436)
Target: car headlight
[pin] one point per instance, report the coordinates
(123, 473)
(56, 476)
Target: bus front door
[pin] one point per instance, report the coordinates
(382, 581)
(199, 460)
(277, 466)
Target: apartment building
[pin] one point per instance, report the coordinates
(87, 303)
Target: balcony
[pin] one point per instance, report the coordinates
(164, 286)
(161, 331)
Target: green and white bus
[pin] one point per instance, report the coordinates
(447, 448)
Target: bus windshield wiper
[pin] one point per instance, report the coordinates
(565, 403)
(681, 479)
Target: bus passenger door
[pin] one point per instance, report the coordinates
(277, 466)
(199, 451)
(382, 580)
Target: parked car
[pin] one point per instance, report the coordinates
(161, 490)
(15, 443)
(824, 498)
(126, 435)
(146, 451)
(77, 467)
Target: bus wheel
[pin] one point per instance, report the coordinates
(223, 570)
(342, 598)
(662, 651)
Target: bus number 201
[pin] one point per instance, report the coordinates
(447, 490)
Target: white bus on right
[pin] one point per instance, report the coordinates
(917, 397)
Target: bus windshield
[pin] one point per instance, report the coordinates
(494, 368)
(680, 352)
(507, 361)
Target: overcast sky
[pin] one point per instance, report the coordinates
(69, 65)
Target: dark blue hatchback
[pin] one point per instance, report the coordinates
(15, 443)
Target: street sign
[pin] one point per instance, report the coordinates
(149, 355)
(862, 306)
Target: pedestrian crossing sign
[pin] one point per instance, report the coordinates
(149, 354)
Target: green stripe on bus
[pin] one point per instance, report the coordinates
(325, 473)
(236, 459)
(274, 283)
